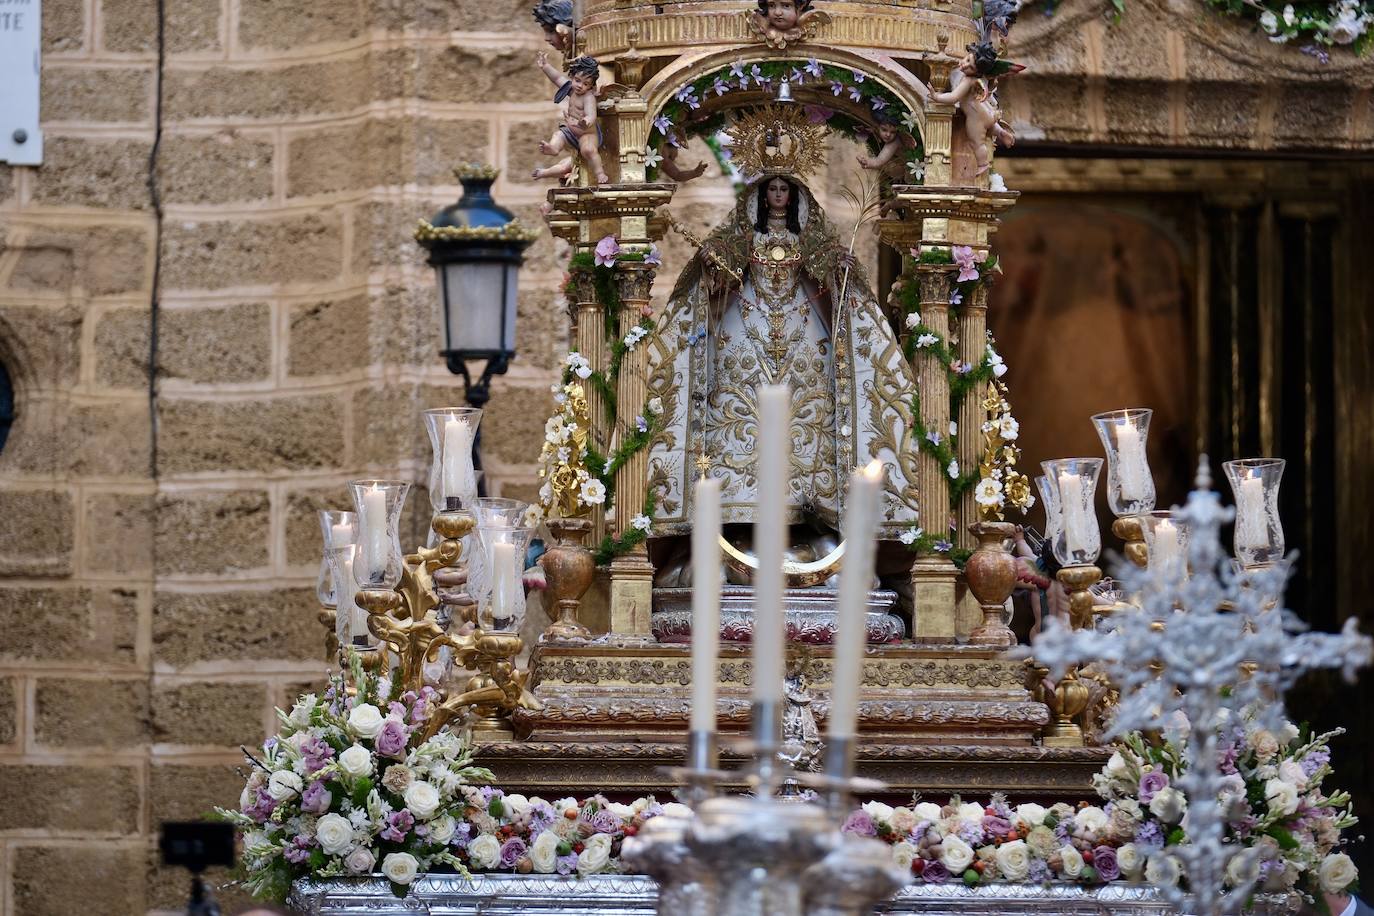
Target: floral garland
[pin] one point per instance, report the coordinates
(1001, 455)
(676, 119)
(568, 489)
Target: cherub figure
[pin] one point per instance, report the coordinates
(670, 167)
(781, 21)
(890, 136)
(555, 17)
(579, 128)
(975, 98)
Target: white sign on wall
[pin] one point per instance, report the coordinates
(21, 142)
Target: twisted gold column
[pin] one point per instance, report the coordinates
(933, 575)
(589, 337)
(631, 573)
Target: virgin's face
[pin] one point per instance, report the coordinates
(778, 193)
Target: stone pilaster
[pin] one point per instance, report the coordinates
(938, 131)
(631, 573)
(933, 575)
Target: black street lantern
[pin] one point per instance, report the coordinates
(476, 247)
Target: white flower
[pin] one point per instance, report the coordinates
(400, 867)
(988, 492)
(903, 854)
(1128, 857)
(926, 340)
(1242, 868)
(544, 852)
(957, 854)
(642, 522)
(1117, 768)
(1168, 805)
(624, 812)
(360, 861)
(651, 158)
(484, 852)
(908, 537)
(655, 405)
(555, 431)
(1280, 796)
(366, 720)
(953, 470)
(1288, 733)
(1091, 819)
(1162, 870)
(593, 492)
(1073, 861)
(878, 812)
(1008, 428)
(1013, 860)
(335, 834)
(971, 813)
(954, 427)
(284, 784)
(999, 368)
(1346, 29)
(595, 855)
(1291, 771)
(1336, 873)
(441, 829)
(356, 761)
(300, 713)
(1269, 22)
(927, 811)
(1032, 814)
(913, 319)
(676, 809)
(422, 799)
(996, 183)
(533, 515)
(1288, 15)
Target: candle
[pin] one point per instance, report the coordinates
(705, 603)
(340, 534)
(358, 634)
(1167, 548)
(502, 603)
(772, 448)
(1252, 528)
(1133, 468)
(374, 534)
(1072, 513)
(457, 460)
(851, 620)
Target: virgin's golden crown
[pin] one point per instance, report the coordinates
(778, 140)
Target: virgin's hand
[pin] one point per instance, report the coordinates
(847, 261)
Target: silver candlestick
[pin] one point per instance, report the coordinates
(855, 875)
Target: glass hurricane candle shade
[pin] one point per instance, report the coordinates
(378, 564)
(501, 603)
(350, 620)
(489, 512)
(1259, 530)
(337, 529)
(1075, 481)
(1130, 486)
(452, 431)
(1049, 498)
(1166, 540)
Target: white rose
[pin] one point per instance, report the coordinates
(928, 811)
(1131, 862)
(595, 855)
(356, 761)
(624, 812)
(1162, 870)
(1073, 861)
(515, 804)
(676, 809)
(878, 812)
(335, 834)
(1117, 768)
(1092, 819)
(957, 855)
(1281, 796)
(1168, 805)
(971, 813)
(284, 784)
(484, 852)
(903, 854)
(1269, 22)
(1013, 860)
(1032, 814)
(1291, 771)
(441, 829)
(360, 861)
(366, 720)
(1289, 732)
(1336, 873)
(1242, 868)
(422, 799)
(656, 404)
(400, 867)
(544, 853)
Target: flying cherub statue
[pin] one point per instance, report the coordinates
(555, 17)
(579, 128)
(779, 21)
(975, 96)
(669, 165)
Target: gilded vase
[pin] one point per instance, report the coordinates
(991, 576)
(569, 567)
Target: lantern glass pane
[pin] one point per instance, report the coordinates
(512, 288)
(474, 306)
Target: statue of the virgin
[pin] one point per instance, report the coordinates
(772, 297)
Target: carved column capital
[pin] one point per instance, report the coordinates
(634, 279)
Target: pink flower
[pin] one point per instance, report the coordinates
(968, 263)
(606, 251)
(391, 740)
(316, 798)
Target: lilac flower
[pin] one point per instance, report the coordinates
(1316, 52)
(859, 824)
(956, 298)
(858, 77)
(757, 74)
(397, 708)
(970, 833)
(933, 437)
(1063, 831)
(943, 546)
(641, 424)
(935, 873)
(316, 798)
(262, 809)
(298, 851)
(685, 94)
(487, 793)
(855, 95)
(391, 740)
(317, 754)
(836, 88)
(653, 809)
(996, 827)
(1226, 759)
(512, 851)
(654, 258)
(1150, 784)
(1039, 872)
(662, 124)
(1104, 860)
(462, 835)
(964, 368)
(968, 263)
(606, 251)
(567, 864)
(879, 104)
(797, 76)
(398, 824)
(542, 817)
(720, 86)
(813, 67)
(737, 71)
(604, 821)
(1149, 835)
(1314, 761)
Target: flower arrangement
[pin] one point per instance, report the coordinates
(353, 784)
(568, 489)
(1273, 803)
(1001, 484)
